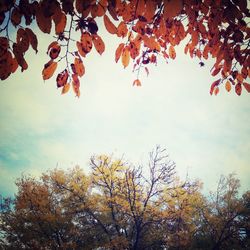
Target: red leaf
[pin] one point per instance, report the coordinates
(213, 85)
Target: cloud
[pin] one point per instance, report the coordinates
(205, 135)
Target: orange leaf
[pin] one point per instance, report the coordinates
(151, 43)
(150, 10)
(118, 52)
(110, 27)
(122, 29)
(172, 8)
(76, 85)
(79, 67)
(238, 88)
(80, 49)
(97, 10)
(65, 88)
(61, 23)
(216, 71)
(98, 43)
(228, 86)
(49, 69)
(247, 86)
(125, 56)
(86, 42)
(216, 90)
(172, 52)
(62, 78)
(213, 85)
(137, 83)
(54, 50)
(140, 8)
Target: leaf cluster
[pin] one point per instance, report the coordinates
(150, 29)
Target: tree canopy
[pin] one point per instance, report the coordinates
(149, 29)
(124, 206)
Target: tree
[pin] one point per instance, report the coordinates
(224, 217)
(150, 29)
(116, 207)
(124, 206)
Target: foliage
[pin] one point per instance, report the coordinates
(150, 29)
(119, 206)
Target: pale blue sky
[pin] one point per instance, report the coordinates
(40, 129)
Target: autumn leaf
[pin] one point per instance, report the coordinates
(216, 90)
(6, 66)
(238, 88)
(16, 16)
(14, 65)
(110, 27)
(122, 29)
(137, 83)
(22, 40)
(125, 56)
(65, 88)
(172, 8)
(49, 69)
(32, 39)
(43, 22)
(216, 71)
(213, 85)
(60, 23)
(79, 67)
(76, 84)
(228, 86)
(62, 78)
(86, 42)
(171, 52)
(118, 52)
(98, 43)
(247, 86)
(54, 50)
(4, 45)
(97, 10)
(19, 56)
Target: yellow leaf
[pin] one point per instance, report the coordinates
(125, 57)
(49, 69)
(109, 25)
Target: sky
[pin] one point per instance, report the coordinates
(40, 129)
